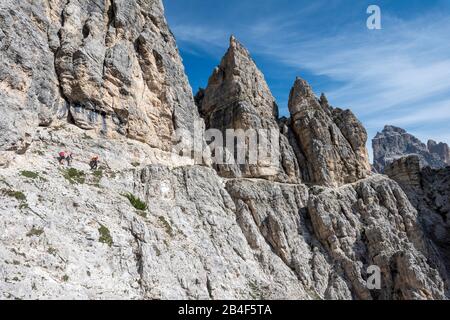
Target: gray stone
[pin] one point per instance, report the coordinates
(238, 97)
(429, 191)
(373, 223)
(394, 143)
(441, 149)
(332, 141)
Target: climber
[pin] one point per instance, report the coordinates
(61, 157)
(94, 163)
(69, 158)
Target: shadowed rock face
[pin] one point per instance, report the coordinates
(372, 222)
(441, 149)
(330, 237)
(394, 143)
(405, 171)
(332, 141)
(429, 191)
(237, 97)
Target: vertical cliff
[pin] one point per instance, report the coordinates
(108, 66)
(429, 191)
(331, 140)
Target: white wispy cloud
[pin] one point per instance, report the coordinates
(398, 75)
(198, 39)
(406, 64)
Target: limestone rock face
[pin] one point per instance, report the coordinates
(332, 141)
(373, 223)
(29, 90)
(274, 218)
(434, 207)
(406, 171)
(202, 237)
(429, 191)
(110, 66)
(394, 143)
(441, 149)
(83, 239)
(238, 98)
(120, 70)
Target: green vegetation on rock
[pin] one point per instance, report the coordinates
(105, 235)
(135, 201)
(18, 195)
(74, 176)
(29, 174)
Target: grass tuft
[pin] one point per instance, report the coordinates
(29, 174)
(74, 176)
(105, 235)
(136, 202)
(52, 251)
(166, 225)
(18, 195)
(98, 174)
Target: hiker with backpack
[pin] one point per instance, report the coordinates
(69, 158)
(61, 157)
(94, 163)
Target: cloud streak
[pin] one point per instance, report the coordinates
(398, 75)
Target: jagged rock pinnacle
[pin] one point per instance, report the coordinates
(323, 100)
(233, 40)
(301, 95)
(237, 78)
(332, 140)
(441, 149)
(238, 97)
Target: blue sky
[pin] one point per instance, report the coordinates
(399, 75)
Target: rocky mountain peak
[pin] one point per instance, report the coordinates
(301, 96)
(394, 143)
(302, 87)
(235, 46)
(393, 129)
(237, 78)
(323, 100)
(332, 140)
(238, 97)
(236, 55)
